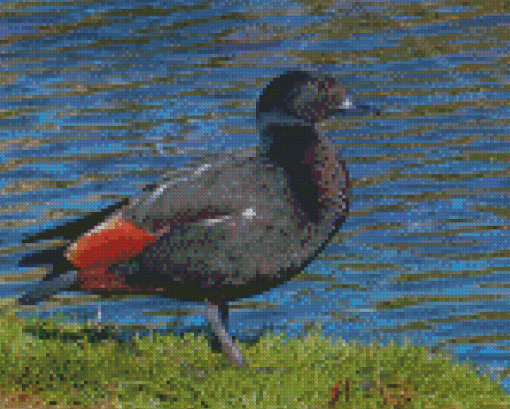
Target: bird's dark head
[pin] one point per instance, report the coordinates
(291, 105)
(303, 98)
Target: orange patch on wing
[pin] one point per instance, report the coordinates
(112, 242)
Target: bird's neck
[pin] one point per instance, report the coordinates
(286, 145)
(309, 163)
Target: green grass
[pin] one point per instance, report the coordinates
(49, 364)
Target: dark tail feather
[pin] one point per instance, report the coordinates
(74, 229)
(63, 276)
(50, 256)
(45, 289)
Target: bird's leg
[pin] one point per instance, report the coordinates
(223, 318)
(224, 338)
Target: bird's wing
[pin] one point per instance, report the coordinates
(199, 192)
(179, 195)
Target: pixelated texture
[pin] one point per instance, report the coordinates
(147, 114)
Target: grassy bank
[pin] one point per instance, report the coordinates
(44, 364)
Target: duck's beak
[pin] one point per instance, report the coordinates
(349, 106)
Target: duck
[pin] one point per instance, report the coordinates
(232, 226)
